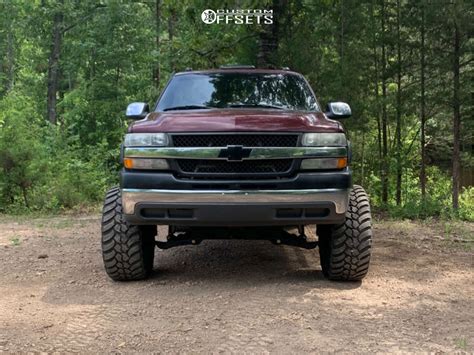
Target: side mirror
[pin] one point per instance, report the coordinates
(137, 110)
(338, 110)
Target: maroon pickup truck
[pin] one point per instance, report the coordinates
(236, 153)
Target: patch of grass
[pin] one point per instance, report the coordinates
(15, 240)
(448, 230)
(62, 224)
(459, 234)
(461, 343)
(54, 222)
(9, 218)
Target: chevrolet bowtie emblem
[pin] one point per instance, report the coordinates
(235, 153)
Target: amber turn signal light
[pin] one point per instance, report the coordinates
(128, 163)
(341, 163)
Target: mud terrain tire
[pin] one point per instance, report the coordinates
(127, 250)
(345, 248)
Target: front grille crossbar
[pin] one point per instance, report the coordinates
(255, 153)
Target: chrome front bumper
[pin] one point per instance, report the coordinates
(222, 207)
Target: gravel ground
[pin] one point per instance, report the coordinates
(235, 296)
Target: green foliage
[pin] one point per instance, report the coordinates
(466, 204)
(437, 202)
(73, 181)
(15, 241)
(461, 343)
(43, 170)
(21, 153)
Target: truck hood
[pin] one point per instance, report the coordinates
(235, 120)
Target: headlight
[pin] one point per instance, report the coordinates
(324, 140)
(146, 140)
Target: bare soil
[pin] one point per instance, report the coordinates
(235, 296)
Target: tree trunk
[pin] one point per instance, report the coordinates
(376, 88)
(171, 29)
(53, 64)
(10, 60)
(269, 38)
(341, 52)
(362, 168)
(456, 117)
(117, 80)
(25, 196)
(398, 129)
(384, 114)
(423, 106)
(156, 69)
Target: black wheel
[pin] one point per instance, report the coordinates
(128, 250)
(344, 249)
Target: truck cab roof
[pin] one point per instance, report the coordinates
(239, 69)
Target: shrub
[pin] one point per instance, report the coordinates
(43, 169)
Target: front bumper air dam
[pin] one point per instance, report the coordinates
(234, 207)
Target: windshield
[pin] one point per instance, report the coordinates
(234, 90)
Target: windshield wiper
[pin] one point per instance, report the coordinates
(257, 105)
(186, 107)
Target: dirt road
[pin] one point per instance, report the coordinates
(234, 296)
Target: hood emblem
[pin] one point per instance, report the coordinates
(235, 153)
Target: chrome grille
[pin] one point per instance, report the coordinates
(246, 140)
